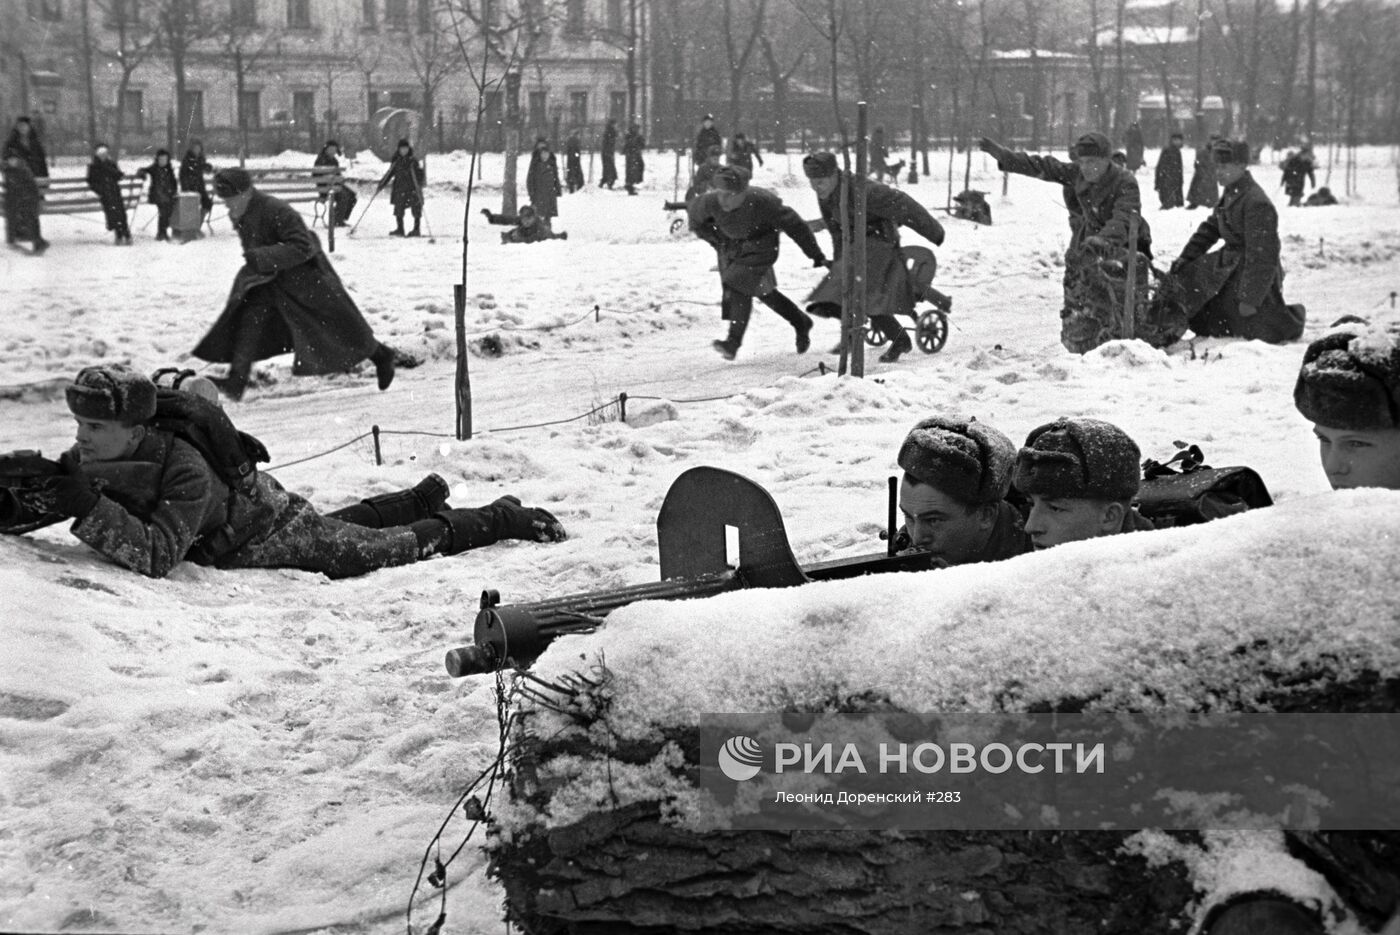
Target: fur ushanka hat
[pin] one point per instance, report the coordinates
(964, 458)
(1079, 459)
(1351, 380)
(112, 392)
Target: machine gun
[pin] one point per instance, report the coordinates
(25, 477)
(26, 470)
(691, 532)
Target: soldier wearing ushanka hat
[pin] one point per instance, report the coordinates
(1237, 291)
(1349, 388)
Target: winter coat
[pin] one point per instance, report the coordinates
(1105, 206)
(104, 177)
(1203, 190)
(743, 153)
(542, 184)
(31, 152)
(704, 139)
(607, 149)
(1245, 270)
(632, 147)
(700, 181)
(327, 164)
(1295, 168)
(1134, 144)
(1169, 176)
(287, 272)
(164, 504)
(21, 204)
(573, 164)
(1007, 540)
(888, 289)
(746, 238)
(193, 168)
(407, 178)
(521, 233)
(163, 185)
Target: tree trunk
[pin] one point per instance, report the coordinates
(1310, 108)
(87, 71)
(1119, 74)
(1099, 107)
(632, 61)
(240, 82)
(509, 199)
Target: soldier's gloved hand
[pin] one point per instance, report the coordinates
(486, 213)
(72, 491)
(1247, 310)
(821, 262)
(514, 521)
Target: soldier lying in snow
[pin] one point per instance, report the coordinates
(529, 226)
(147, 499)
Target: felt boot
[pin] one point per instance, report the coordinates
(383, 360)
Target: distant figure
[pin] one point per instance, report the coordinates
(742, 152)
(339, 197)
(705, 137)
(878, 154)
(1203, 190)
(573, 163)
(24, 139)
(529, 227)
(162, 192)
(21, 202)
(607, 148)
(104, 178)
(971, 205)
(542, 180)
(193, 168)
(1320, 198)
(632, 147)
(704, 174)
(1296, 167)
(1169, 175)
(1133, 142)
(406, 174)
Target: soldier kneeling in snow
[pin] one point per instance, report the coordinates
(148, 499)
(1081, 476)
(957, 474)
(1349, 388)
(529, 226)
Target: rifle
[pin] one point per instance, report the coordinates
(692, 533)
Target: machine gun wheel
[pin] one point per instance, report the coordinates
(677, 226)
(873, 336)
(931, 332)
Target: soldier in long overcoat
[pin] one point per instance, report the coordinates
(1170, 174)
(607, 150)
(285, 298)
(632, 146)
(1237, 290)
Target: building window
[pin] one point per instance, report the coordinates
(367, 18)
(537, 103)
(250, 109)
(617, 105)
(578, 108)
(133, 108)
(243, 12)
(615, 15)
(298, 14)
(304, 108)
(425, 15)
(194, 111)
(396, 14)
(402, 99)
(573, 16)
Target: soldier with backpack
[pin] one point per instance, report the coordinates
(160, 477)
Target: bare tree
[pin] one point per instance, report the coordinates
(779, 78)
(738, 49)
(366, 53)
(244, 45)
(1286, 46)
(1243, 34)
(828, 19)
(135, 41)
(869, 41)
(1098, 108)
(180, 27)
(432, 53)
(1120, 75)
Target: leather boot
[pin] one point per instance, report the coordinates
(399, 507)
(383, 360)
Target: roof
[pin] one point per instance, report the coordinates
(1148, 35)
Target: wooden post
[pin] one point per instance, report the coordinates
(858, 254)
(1129, 328)
(843, 207)
(331, 198)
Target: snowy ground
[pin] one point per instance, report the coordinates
(270, 751)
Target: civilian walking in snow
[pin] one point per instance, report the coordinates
(148, 499)
(957, 474)
(1169, 174)
(22, 202)
(632, 147)
(24, 140)
(405, 173)
(1081, 476)
(742, 152)
(1203, 190)
(607, 150)
(1237, 291)
(104, 179)
(285, 298)
(542, 181)
(162, 192)
(1296, 167)
(742, 224)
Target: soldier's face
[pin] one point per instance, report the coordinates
(1359, 458)
(1092, 167)
(1227, 172)
(941, 525)
(105, 439)
(730, 200)
(237, 204)
(823, 186)
(1055, 521)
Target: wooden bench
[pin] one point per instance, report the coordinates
(71, 195)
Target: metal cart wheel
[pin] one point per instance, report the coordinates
(874, 337)
(677, 225)
(932, 332)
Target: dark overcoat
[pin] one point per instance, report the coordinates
(542, 183)
(888, 289)
(746, 238)
(1105, 207)
(573, 163)
(21, 204)
(287, 272)
(1204, 190)
(1170, 176)
(163, 504)
(163, 184)
(407, 178)
(607, 149)
(705, 137)
(31, 151)
(1245, 270)
(104, 178)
